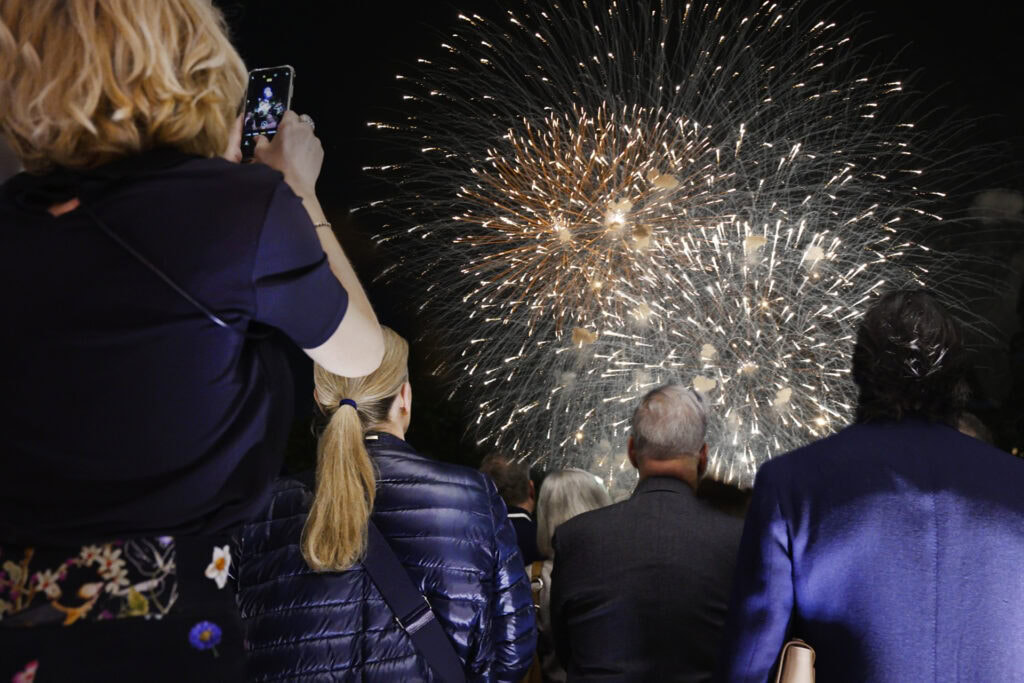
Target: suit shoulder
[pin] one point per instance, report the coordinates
(592, 521)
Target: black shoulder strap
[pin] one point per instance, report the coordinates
(411, 609)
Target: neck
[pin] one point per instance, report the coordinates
(684, 469)
(391, 428)
(527, 505)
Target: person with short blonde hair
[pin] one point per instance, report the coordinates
(85, 82)
(158, 289)
(563, 495)
(311, 608)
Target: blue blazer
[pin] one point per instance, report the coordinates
(895, 549)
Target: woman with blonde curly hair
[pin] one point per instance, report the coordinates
(155, 287)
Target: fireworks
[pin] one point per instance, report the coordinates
(610, 197)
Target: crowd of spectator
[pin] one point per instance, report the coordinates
(145, 533)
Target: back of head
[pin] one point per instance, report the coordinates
(669, 422)
(87, 81)
(511, 478)
(334, 536)
(909, 360)
(564, 495)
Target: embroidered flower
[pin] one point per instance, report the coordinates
(218, 568)
(111, 563)
(89, 555)
(28, 674)
(117, 580)
(205, 635)
(46, 581)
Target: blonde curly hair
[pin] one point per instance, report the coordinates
(84, 82)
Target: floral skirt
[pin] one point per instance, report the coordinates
(148, 609)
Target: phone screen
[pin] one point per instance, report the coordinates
(267, 99)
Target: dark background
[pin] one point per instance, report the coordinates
(967, 66)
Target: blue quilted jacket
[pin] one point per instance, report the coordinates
(448, 527)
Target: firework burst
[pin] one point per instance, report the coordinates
(611, 196)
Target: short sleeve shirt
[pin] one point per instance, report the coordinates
(131, 412)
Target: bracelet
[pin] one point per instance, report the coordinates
(325, 224)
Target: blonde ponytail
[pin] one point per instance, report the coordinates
(334, 537)
(335, 533)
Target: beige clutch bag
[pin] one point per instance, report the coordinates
(796, 663)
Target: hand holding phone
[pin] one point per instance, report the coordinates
(296, 152)
(267, 98)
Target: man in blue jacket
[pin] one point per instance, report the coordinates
(895, 548)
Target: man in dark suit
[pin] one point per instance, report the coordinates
(895, 548)
(640, 589)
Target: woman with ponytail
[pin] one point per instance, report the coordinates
(309, 606)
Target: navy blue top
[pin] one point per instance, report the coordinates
(526, 534)
(129, 411)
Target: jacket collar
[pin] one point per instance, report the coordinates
(670, 484)
(515, 512)
(383, 438)
(382, 442)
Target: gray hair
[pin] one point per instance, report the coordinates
(563, 495)
(670, 421)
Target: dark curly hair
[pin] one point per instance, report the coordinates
(909, 360)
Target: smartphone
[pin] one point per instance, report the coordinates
(267, 98)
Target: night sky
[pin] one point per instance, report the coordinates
(346, 54)
(965, 63)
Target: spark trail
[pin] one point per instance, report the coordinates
(610, 196)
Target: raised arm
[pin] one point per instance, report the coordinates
(356, 347)
(762, 599)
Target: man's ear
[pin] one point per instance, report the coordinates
(631, 452)
(533, 491)
(702, 462)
